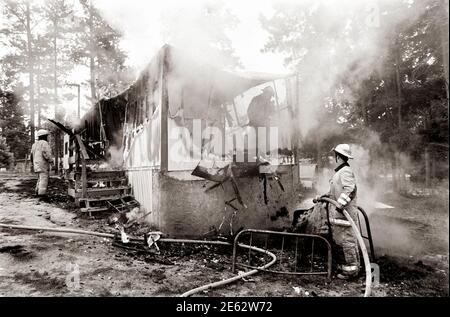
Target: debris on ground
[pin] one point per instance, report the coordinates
(34, 263)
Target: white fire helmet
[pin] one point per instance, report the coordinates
(343, 149)
(42, 132)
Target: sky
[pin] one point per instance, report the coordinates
(142, 24)
(140, 21)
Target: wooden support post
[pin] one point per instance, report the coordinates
(84, 156)
(164, 113)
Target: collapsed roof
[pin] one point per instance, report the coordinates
(200, 86)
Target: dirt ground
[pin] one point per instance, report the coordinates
(411, 245)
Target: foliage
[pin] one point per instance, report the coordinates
(6, 157)
(363, 90)
(46, 41)
(12, 123)
(98, 47)
(204, 33)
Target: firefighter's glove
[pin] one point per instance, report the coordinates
(316, 199)
(340, 209)
(319, 197)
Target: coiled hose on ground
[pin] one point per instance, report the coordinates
(227, 281)
(361, 244)
(189, 293)
(237, 277)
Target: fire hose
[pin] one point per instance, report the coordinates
(227, 281)
(361, 244)
(237, 277)
(189, 293)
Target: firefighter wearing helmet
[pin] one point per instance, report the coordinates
(41, 157)
(343, 190)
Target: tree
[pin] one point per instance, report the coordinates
(51, 54)
(57, 13)
(6, 157)
(203, 33)
(45, 97)
(12, 123)
(98, 48)
(398, 90)
(406, 101)
(323, 43)
(21, 20)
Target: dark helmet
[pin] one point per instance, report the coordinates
(268, 89)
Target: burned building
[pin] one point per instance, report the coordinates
(181, 134)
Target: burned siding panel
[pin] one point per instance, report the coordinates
(186, 210)
(141, 182)
(142, 146)
(172, 92)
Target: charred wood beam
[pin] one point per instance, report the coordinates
(86, 146)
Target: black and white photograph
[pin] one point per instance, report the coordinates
(217, 149)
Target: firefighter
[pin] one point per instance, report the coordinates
(259, 112)
(343, 189)
(261, 108)
(41, 157)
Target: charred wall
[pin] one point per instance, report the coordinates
(186, 210)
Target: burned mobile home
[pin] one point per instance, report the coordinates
(179, 142)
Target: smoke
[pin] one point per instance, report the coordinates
(370, 184)
(414, 226)
(337, 44)
(226, 34)
(115, 155)
(340, 44)
(197, 27)
(374, 175)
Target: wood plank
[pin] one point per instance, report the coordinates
(104, 189)
(82, 147)
(71, 192)
(94, 209)
(84, 178)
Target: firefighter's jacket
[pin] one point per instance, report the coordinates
(42, 156)
(259, 111)
(343, 186)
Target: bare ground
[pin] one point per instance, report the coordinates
(411, 246)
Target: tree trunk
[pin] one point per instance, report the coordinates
(297, 113)
(427, 167)
(444, 41)
(399, 87)
(55, 84)
(433, 168)
(92, 55)
(398, 172)
(394, 171)
(38, 92)
(38, 102)
(319, 161)
(55, 67)
(364, 112)
(30, 69)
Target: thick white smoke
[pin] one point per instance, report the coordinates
(346, 37)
